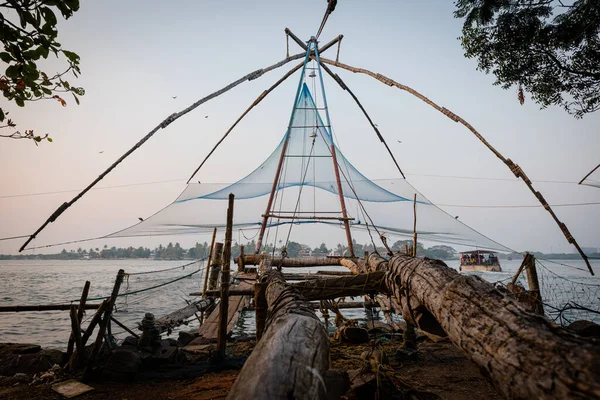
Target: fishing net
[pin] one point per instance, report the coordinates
(568, 299)
(158, 291)
(307, 193)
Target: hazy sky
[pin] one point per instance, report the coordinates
(136, 55)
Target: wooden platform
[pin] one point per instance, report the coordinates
(208, 330)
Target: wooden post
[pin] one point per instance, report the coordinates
(241, 260)
(80, 311)
(95, 320)
(342, 202)
(534, 285)
(210, 255)
(224, 308)
(76, 334)
(260, 308)
(414, 252)
(103, 324)
(215, 268)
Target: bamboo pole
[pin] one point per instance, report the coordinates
(103, 324)
(224, 307)
(514, 168)
(132, 333)
(210, 254)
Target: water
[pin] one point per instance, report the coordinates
(59, 282)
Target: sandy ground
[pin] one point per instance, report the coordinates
(440, 368)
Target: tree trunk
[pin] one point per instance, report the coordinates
(344, 286)
(525, 355)
(254, 259)
(292, 356)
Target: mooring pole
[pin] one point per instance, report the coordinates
(534, 285)
(414, 254)
(215, 267)
(224, 309)
(210, 254)
(260, 308)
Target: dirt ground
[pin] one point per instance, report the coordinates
(440, 368)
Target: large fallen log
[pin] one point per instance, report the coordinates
(254, 259)
(176, 318)
(525, 355)
(291, 358)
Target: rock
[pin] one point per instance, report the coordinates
(150, 334)
(29, 363)
(165, 354)
(337, 383)
(352, 334)
(169, 342)
(185, 338)
(131, 341)
(123, 365)
(406, 354)
(585, 328)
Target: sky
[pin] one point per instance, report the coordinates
(137, 55)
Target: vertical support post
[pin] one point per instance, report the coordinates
(215, 267)
(414, 253)
(80, 311)
(224, 308)
(241, 264)
(534, 285)
(76, 334)
(260, 308)
(342, 202)
(210, 255)
(103, 323)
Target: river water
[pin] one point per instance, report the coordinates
(33, 282)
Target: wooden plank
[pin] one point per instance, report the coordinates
(209, 328)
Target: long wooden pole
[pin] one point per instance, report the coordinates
(76, 333)
(224, 307)
(514, 168)
(216, 266)
(534, 285)
(210, 254)
(342, 201)
(45, 307)
(255, 259)
(292, 356)
(524, 354)
(589, 173)
(415, 227)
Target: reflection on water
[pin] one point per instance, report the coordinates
(45, 282)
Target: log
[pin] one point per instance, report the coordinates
(215, 268)
(344, 286)
(80, 311)
(45, 307)
(292, 357)
(254, 259)
(225, 277)
(176, 318)
(76, 332)
(525, 355)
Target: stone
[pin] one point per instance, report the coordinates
(585, 328)
(122, 365)
(30, 363)
(130, 341)
(185, 338)
(169, 342)
(406, 354)
(150, 333)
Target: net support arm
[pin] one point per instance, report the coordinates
(249, 77)
(254, 104)
(303, 45)
(589, 173)
(514, 168)
(343, 85)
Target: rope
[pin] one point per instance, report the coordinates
(164, 270)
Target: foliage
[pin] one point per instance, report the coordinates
(28, 34)
(549, 48)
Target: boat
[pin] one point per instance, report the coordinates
(479, 260)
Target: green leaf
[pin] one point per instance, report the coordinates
(4, 56)
(1, 115)
(49, 139)
(37, 138)
(47, 91)
(48, 15)
(12, 71)
(73, 57)
(19, 102)
(76, 98)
